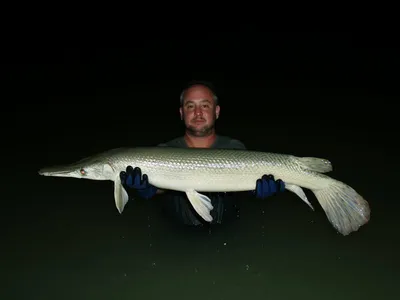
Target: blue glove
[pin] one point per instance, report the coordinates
(132, 179)
(267, 186)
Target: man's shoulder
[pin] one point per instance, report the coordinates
(228, 142)
(175, 142)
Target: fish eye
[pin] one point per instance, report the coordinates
(82, 171)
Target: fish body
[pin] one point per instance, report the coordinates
(197, 170)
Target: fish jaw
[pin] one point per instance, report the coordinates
(61, 171)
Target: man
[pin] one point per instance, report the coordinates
(199, 110)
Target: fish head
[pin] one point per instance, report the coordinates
(88, 168)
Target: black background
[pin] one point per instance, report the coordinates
(71, 93)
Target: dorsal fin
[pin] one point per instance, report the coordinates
(315, 164)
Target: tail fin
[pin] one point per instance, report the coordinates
(344, 207)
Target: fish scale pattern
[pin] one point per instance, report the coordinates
(203, 166)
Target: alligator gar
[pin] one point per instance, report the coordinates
(197, 170)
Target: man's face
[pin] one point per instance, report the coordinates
(199, 110)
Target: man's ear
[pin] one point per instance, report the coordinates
(217, 110)
(181, 112)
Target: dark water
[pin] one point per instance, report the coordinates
(64, 239)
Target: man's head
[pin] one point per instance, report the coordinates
(199, 109)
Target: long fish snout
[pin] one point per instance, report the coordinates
(93, 171)
(58, 172)
(47, 172)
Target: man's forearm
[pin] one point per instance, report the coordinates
(160, 191)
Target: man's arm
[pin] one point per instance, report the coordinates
(236, 144)
(160, 191)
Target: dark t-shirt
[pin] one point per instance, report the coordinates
(178, 206)
(220, 142)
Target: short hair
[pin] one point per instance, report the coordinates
(207, 84)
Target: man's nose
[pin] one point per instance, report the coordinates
(198, 111)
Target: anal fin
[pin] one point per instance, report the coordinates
(299, 192)
(201, 204)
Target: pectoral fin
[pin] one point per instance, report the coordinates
(201, 204)
(299, 192)
(120, 195)
(108, 171)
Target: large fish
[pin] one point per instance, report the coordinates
(197, 170)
